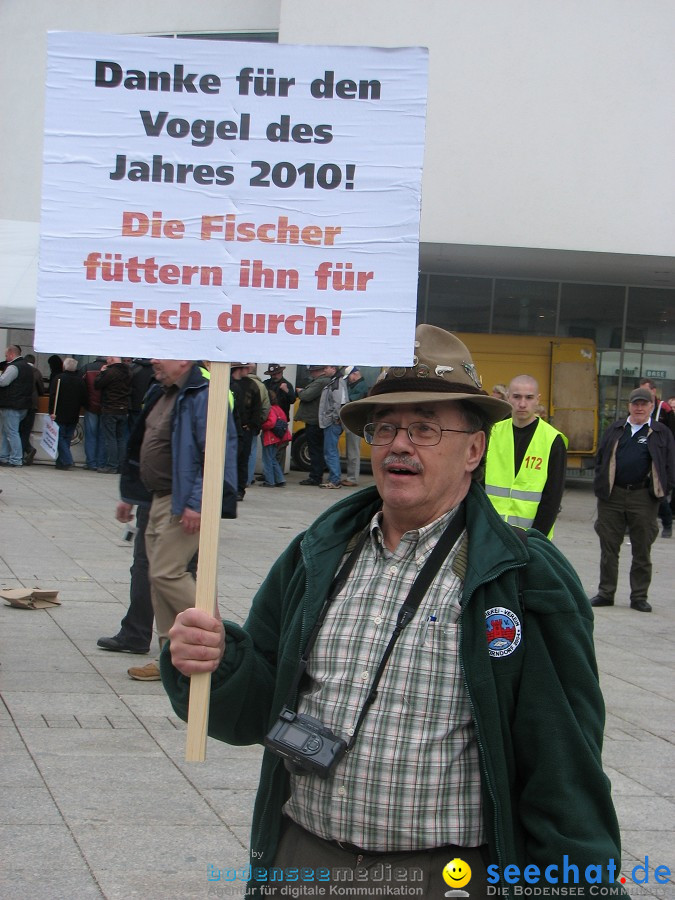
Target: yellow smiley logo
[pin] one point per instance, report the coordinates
(457, 873)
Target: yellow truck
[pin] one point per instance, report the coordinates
(565, 369)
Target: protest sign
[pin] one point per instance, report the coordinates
(216, 200)
(50, 437)
(220, 201)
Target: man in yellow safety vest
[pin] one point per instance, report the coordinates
(526, 462)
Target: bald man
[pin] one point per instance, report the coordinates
(526, 462)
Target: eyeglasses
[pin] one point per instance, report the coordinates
(422, 434)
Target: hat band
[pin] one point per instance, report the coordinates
(419, 385)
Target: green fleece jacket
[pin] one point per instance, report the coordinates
(538, 710)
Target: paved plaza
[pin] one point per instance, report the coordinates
(96, 800)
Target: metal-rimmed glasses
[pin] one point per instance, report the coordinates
(422, 434)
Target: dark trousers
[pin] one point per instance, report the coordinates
(665, 509)
(25, 429)
(637, 510)
(245, 439)
(300, 849)
(315, 449)
(136, 627)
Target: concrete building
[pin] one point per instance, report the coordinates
(548, 200)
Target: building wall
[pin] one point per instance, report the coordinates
(548, 121)
(23, 62)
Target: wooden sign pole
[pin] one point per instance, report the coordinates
(212, 492)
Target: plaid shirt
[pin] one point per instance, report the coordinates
(412, 779)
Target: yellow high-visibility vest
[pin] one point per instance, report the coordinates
(517, 499)
(205, 372)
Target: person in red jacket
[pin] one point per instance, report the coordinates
(272, 437)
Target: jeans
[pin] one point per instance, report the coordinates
(272, 471)
(252, 460)
(114, 431)
(11, 451)
(94, 445)
(331, 436)
(64, 456)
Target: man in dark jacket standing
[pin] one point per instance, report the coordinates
(16, 397)
(634, 469)
(437, 699)
(114, 383)
(249, 418)
(67, 396)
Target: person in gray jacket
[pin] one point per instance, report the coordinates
(333, 398)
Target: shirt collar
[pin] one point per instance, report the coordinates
(421, 540)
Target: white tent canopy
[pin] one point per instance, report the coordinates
(19, 243)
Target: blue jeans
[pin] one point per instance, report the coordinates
(114, 432)
(272, 471)
(331, 436)
(12, 450)
(65, 457)
(252, 460)
(94, 445)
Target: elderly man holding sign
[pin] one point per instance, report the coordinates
(422, 677)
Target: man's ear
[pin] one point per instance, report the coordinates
(475, 450)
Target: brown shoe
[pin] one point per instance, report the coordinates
(347, 483)
(145, 673)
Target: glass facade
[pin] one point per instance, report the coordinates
(633, 327)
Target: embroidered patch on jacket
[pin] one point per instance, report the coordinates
(503, 631)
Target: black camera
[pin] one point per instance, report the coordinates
(307, 746)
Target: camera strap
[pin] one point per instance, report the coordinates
(406, 613)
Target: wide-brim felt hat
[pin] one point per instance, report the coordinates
(274, 368)
(442, 369)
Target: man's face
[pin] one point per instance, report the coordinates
(168, 371)
(524, 399)
(354, 376)
(422, 483)
(639, 411)
(10, 354)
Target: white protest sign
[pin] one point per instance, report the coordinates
(50, 437)
(225, 200)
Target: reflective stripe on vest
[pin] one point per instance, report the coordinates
(517, 499)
